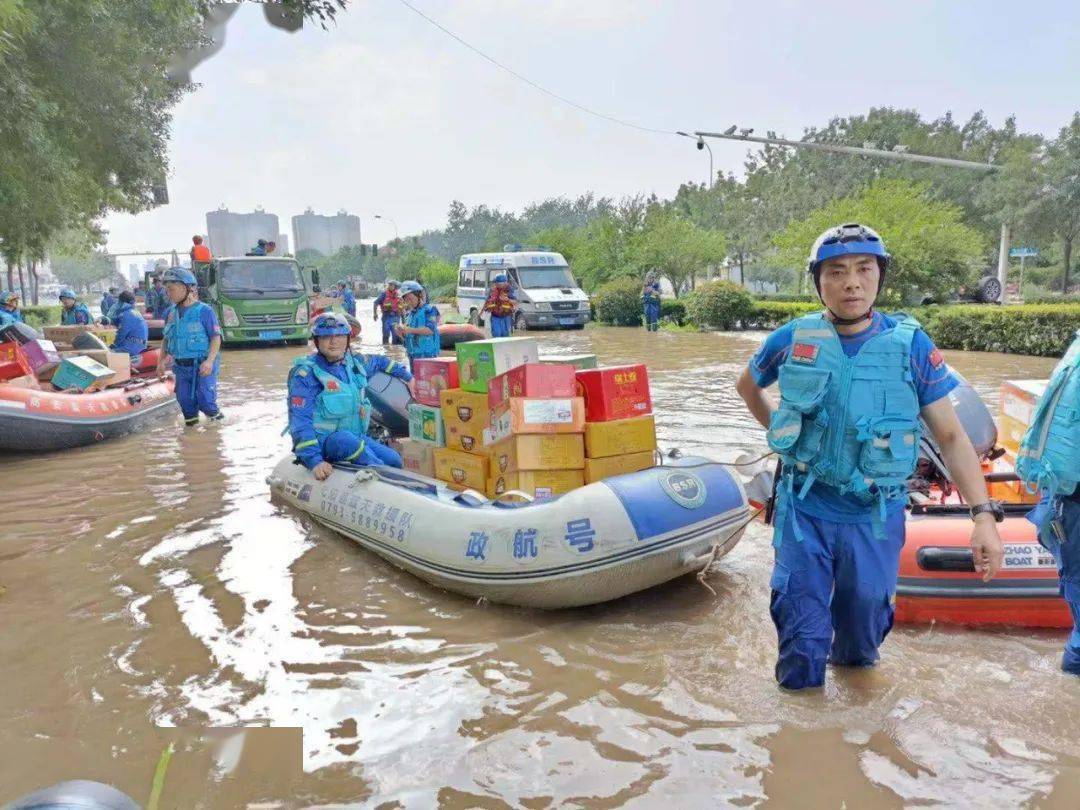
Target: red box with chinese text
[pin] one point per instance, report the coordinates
(615, 392)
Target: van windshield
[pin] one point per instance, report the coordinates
(261, 277)
(533, 278)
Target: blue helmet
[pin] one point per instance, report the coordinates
(330, 323)
(7, 295)
(179, 275)
(847, 240)
(499, 279)
(67, 292)
(411, 287)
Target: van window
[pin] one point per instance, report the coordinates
(465, 278)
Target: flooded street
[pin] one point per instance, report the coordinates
(151, 591)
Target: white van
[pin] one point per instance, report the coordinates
(548, 297)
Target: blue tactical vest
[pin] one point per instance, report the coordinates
(1049, 457)
(185, 336)
(421, 345)
(340, 405)
(849, 422)
(70, 317)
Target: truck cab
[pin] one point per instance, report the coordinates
(258, 299)
(547, 295)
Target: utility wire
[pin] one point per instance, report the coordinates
(610, 118)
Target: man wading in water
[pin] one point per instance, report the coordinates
(853, 384)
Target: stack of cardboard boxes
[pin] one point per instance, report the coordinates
(44, 363)
(620, 432)
(1018, 401)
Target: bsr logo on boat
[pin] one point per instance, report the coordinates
(686, 489)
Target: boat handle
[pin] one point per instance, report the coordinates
(134, 399)
(516, 493)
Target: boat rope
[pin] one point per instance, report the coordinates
(704, 572)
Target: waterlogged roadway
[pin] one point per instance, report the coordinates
(152, 591)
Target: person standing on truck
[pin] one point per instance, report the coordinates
(73, 312)
(420, 328)
(1049, 463)
(348, 300)
(389, 302)
(259, 249)
(650, 299)
(329, 411)
(500, 304)
(854, 384)
(193, 344)
(199, 252)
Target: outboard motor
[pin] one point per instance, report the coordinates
(390, 398)
(78, 794)
(977, 422)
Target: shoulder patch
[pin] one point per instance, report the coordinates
(301, 372)
(937, 359)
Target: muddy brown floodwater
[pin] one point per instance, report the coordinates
(152, 591)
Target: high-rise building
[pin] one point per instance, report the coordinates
(326, 234)
(282, 245)
(234, 234)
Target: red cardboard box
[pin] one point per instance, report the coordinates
(13, 362)
(434, 375)
(532, 381)
(614, 392)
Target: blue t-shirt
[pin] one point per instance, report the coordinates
(933, 380)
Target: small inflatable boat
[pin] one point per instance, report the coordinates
(593, 544)
(40, 421)
(451, 334)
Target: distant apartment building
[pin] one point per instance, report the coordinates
(326, 234)
(230, 233)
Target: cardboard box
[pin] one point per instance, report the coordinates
(597, 469)
(466, 407)
(575, 360)
(615, 392)
(538, 452)
(26, 381)
(426, 424)
(1018, 400)
(43, 357)
(13, 362)
(480, 360)
(119, 362)
(522, 415)
(533, 380)
(82, 373)
(620, 437)
(63, 335)
(538, 483)
(463, 469)
(471, 437)
(321, 302)
(434, 375)
(417, 457)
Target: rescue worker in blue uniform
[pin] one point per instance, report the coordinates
(329, 412)
(192, 345)
(73, 312)
(259, 249)
(650, 300)
(388, 303)
(9, 308)
(853, 385)
(500, 306)
(420, 329)
(1049, 463)
(157, 300)
(347, 297)
(131, 329)
(108, 301)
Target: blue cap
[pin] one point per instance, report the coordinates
(499, 279)
(330, 323)
(179, 275)
(67, 292)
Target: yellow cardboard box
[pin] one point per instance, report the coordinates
(467, 436)
(620, 437)
(524, 415)
(597, 469)
(538, 483)
(538, 452)
(465, 407)
(462, 469)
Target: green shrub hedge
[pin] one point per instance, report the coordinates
(720, 304)
(619, 303)
(1045, 330)
(40, 316)
(771, 314)
(673, 311)
(788, 298)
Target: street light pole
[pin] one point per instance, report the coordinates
(701, 144)
(1003, 250)
(396, 237)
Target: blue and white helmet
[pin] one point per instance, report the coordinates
(411, 287)
(847, 240)
(330, 323)
(179, 275)
(67, 292)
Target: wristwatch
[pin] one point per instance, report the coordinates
(991, 506)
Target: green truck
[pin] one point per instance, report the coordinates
(258, 299)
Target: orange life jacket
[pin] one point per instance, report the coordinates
(200, 253)
(499, 303)
(391, 304)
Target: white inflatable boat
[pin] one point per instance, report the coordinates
(596, 543)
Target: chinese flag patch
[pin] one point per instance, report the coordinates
(298, 402)
(937, 359)
(805, 353)
(332, 385)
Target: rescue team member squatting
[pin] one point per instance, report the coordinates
(853, 384)
(329, 411)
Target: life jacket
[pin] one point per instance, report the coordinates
(70, 317)
(499, 303)
(1049, 455)
(340, 405)
(200, 253)
(421, 345)
(391, 304)
(185, 336)
(849, 422)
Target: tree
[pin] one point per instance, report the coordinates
(678, 249)
(1056, 205)
(933, 251)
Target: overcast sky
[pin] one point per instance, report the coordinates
(386, 114)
